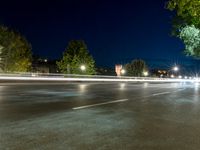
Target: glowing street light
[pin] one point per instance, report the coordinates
(123, 71)
(172, 76)
(83, 68)
(145, 73)
(175, 68)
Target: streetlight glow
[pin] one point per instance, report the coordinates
(83, 68)
(145, 73)
(175, 68)
(123, 71)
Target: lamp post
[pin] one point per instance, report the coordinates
(175, 69)
(123, 71)
(82, 67)
(145, 73)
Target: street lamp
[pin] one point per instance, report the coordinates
(83, 68)
(145, 73)
(123, 71)
(175, 68)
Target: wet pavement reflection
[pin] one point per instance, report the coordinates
(156, 116)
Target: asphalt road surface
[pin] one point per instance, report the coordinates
(100, 116)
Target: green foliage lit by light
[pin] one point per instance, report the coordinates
(75, 55)
(191, 37)
(136, 68)
(187, 10)
(15, 55)
(186, 24)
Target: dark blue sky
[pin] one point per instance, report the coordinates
(115, 31)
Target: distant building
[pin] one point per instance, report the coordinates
(161, 73)
(40, 68)
(105, 71)
(118, 69)
(40, 65)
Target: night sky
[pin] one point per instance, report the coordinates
(116, 31)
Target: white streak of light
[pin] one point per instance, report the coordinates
(95, 79)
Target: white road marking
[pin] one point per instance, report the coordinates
(99, 104)
(179, 90)
(156, 94)
(163, 93)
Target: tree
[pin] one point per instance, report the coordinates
(1, 59)
(186, 24)
(75, 55)
(191, 37)
(15, 55)
(187, 10)
(136, 68)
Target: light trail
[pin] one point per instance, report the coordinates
(96, 79)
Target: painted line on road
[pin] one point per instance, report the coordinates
(179, 90)
(156, 94)
(163, 93)
(99, 104)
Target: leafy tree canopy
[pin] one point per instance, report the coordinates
(186, 24)
(136, 68)
(15, 51)
(187, 10)
(75, 56)
(191, 37)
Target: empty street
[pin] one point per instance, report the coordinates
(99, 116)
